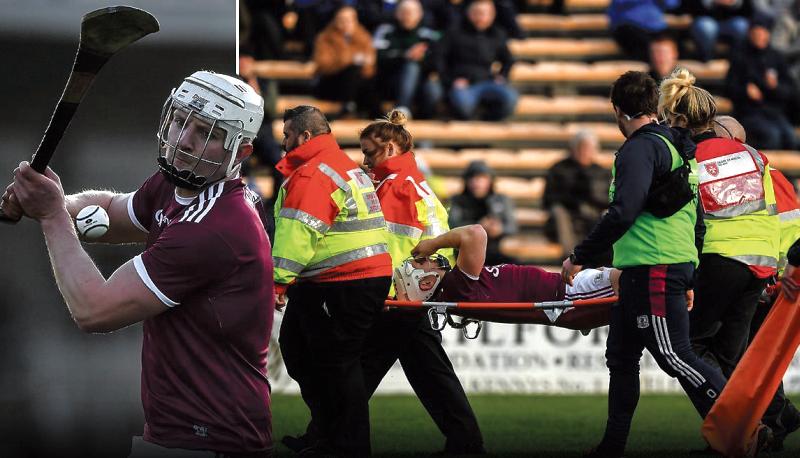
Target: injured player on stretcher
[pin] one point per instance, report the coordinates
(427, 276)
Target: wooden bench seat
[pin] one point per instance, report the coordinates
(579, 74)
(523, 73)
(564, 48)
(532, 249)
(476, 132)
(575, 5)
(529, 106)
(548, 23)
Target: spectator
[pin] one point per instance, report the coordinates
(785, 38)
(759, 84)
(479, 204)
(634, 22)
(715, 19)
(663, 57)
(311, 16)
(468, 52)
(576, 192)
(345, 62)
(404, 67)
(263, 32)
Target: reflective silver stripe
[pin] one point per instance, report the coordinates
(434, 227)
(402, 229)
(738, 210)
(389, 177)
(756, 157)
(790, 215)
(287, 264)
(434, 230)
(311, 221)
(772, 209)
(344, 258)
(358, 225)
(350, 201)
(334, 175)
(756, 260)
(744, 209)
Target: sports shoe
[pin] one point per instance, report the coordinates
(764, 438)
(790, 425)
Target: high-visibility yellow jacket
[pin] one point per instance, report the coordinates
(328, 220)
(788, 214)
(739, 206)
(412, 210)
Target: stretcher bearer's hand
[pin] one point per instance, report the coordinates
(689, 299)
(789, 287)
(280, 301)
(569, 270)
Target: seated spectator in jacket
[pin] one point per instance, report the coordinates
(467, 54)
(404, 61)
(759, 85)
(345, 62)
(480, 204)
(715, 20)
(633, 23)
(663, 56)
(576, 192)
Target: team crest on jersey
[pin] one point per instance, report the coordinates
(597, 278)
(161, 220)
(642, 322)
(712, 168)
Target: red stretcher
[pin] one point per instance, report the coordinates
(582, 315)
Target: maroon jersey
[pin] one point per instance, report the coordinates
(502, 283)
(204, 361)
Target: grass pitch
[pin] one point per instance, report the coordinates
(525, 425)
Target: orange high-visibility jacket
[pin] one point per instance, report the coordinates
(328, 220)
(412, 210)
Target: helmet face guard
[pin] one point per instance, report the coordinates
(169, 149)
(408, 276)
(224, 109)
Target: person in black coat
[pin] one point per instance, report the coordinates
(759, 84)
(465, 65)
(576, 192)
(480, 204)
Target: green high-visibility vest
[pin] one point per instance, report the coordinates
(651, 240)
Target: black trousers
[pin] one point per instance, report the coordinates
(726, 296)
(322, 338)
(651, 313)
(409, 338)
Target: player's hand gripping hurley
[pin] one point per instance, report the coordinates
(103, 32)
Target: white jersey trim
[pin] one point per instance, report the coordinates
(132, 214)
(142, 271)
(196, 212)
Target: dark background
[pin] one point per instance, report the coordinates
(62, 392)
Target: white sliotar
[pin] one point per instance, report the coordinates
(92, 221)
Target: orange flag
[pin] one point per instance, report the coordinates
(730, 427)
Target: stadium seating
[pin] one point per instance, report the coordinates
(565, 66)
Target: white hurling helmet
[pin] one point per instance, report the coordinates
(221, 101)
(407, 277)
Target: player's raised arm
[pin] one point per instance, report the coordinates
(470, 241)
(121, 228)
